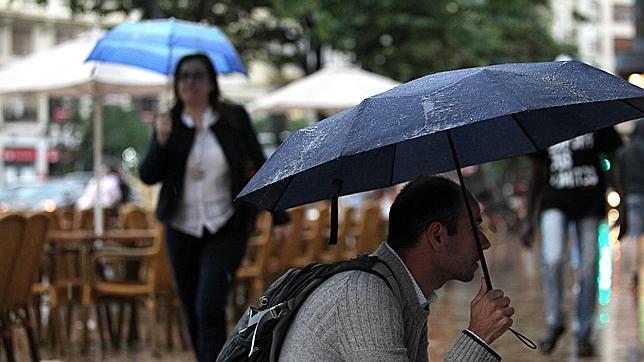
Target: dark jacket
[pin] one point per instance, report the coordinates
(167, 164)
(631, 158)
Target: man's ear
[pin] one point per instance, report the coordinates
(435, 235)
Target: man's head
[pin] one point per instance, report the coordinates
(429, 225)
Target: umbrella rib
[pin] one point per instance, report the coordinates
(393, 164)
(632, 105)
(514, 118)
(283, 191)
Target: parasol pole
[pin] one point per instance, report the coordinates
(479, 247)
(98, 157)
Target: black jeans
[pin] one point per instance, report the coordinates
(204, 269)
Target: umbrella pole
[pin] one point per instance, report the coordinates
(479, 247)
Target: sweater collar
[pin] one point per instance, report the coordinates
(411, 292)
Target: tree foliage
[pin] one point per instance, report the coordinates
(400, 39)
(121, 129)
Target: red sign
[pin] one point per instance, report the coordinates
(10, 154)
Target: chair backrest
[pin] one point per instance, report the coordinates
(29, 257)
(84, 219)
(369, 229)
(292, 245)
(263, 239)
(12, 229)
(134, 218)
(319, 232)
(344, 229)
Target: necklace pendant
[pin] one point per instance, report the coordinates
(197, 173)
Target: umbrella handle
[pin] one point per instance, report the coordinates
(479, 248)
(527, 341)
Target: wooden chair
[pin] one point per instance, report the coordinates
(130, 217)
(12, 228)
(142, 289)
(314, 240)
(283, 254)
(25, 270)
(337, 252)
(368, 231)
(168, 302)
(60, 267)
(253, 273)
(84, 219)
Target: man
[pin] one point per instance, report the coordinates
(355, 316)
(570, 183)
(631, 162)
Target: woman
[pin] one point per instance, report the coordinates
(203, 152)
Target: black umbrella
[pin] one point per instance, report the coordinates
(442, 122)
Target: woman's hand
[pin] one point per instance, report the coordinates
(163, 128)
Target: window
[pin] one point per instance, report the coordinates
(64, 34)
(20, 108)
(623, 13)
(21, 41)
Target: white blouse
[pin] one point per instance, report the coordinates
(206, 200)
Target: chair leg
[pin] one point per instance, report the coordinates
(31, 336)
(7, 341)
(169, 336)
(68, 321)
(133, 330)
(54, 326)
(181, 326)
(115, 335)
(99, 326)
(150, 304)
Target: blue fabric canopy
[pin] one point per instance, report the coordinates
(157, 45)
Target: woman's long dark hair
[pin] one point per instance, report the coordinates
(214, 98)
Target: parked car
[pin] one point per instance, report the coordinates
(48, 195)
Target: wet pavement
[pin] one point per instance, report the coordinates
(619, 330)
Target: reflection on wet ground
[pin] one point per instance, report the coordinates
(618, 321)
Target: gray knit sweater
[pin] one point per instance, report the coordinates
(355, 316)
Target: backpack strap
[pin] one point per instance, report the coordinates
(383, 270)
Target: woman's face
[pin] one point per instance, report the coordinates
(193, 82)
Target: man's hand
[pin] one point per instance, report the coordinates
(163, 128)
(490, 314)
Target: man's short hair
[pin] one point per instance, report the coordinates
(424, 200)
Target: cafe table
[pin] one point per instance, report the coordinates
(84, 239)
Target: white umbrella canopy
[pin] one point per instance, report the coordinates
(62, 70)
(333, 88)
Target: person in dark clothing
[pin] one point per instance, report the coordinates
(631, 161)
(570, 183)
(203, 152)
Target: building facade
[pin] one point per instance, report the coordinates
(32, 125)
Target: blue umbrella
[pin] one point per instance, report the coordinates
(438, 123)
(158, 45)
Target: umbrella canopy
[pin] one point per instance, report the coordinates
(62, 70)
(158, 45)
(332, 88)
(478, 115)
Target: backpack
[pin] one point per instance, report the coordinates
(259, 334)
